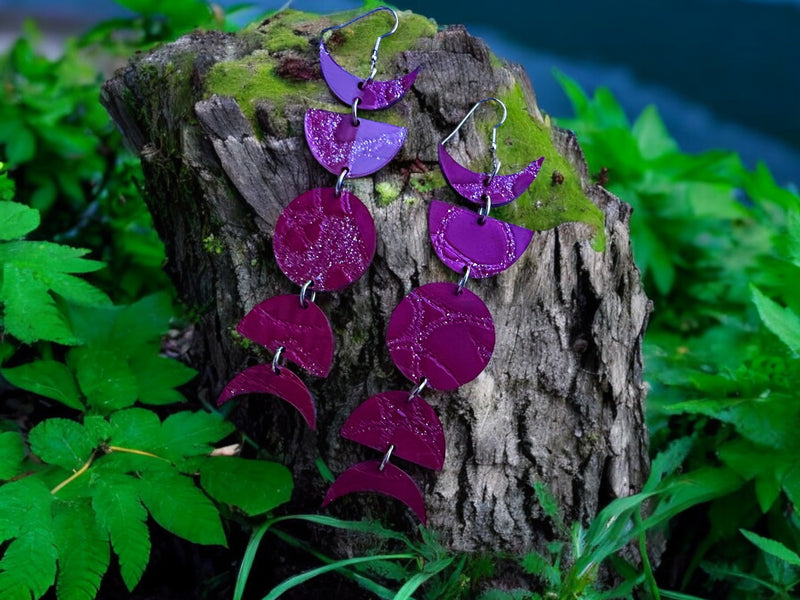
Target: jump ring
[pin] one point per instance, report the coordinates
(340, 182)
(485, 209)
(417, 389)
(304, 296)
(278, 361)
(356, 122)
(464, 279)
(386, 457)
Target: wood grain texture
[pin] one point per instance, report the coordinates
(561, 401)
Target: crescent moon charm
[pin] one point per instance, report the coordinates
(304, 332)
(460, 238)
(471, 185)
(374, 95)
(411, 426)
(391, 481)
(261, 379)
(338, 144)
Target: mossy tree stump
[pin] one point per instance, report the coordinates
(218, 122)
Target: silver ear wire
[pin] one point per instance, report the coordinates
(493, 147)
(374, 58)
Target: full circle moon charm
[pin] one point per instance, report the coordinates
(325, 239)
(440, 335)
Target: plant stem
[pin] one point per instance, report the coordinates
(648, 569)
(111, 449)
(75, 475)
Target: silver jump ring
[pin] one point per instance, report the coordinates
(464, 279)
(386, 457)
(337, 191)
(278, 361)
(485, 209)
(304, 295)
(417, 389)
(356, 122)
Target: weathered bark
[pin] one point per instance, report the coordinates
(561, 400)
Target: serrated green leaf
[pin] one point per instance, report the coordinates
(98, 429)
(180, 507)
(16, 220)
(61, 442)
(142, 322)
(783, 322)
(83, 552)
(652, 136)
(158, 376)
(105, 378)
(254, 486)
(12, 451)
(28, 566)
(135, 428)
(48, 378)
(119, 510)
(30, 311)
(773, 547)
(188, 433)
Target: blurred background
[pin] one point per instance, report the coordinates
(723, 73)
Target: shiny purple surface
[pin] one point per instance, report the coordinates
(472, 185)
(460, 239)
(391, 418)
(325, 239)
(443, 336)
(392, 481)
(336, 143)
(261, 379)
(304, 333)
(347, 87)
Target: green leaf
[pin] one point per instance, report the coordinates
(83, 552)
(783, 322)
(105, 378)
(142, 322)
(21, 145)
(773, 547)
(16, 220)
(135, 428)
(254, 486)
(652, 136)
(178, 506)
(12, 451)
(98, 429)
(157, 376)
(188, 433)
(122, 514)
(48, 378)
(768, 488)
(575, 93)
(28, 566)
(61, 442)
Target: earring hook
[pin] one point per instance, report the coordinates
(493, 147)
(374, 58)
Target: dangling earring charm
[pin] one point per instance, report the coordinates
(325, 238)
(441, 335)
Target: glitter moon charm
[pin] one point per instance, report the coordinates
(367, 477)
(473, 186)
(261, 379)
(374, 95)
(390, 418)
(440, 335)
(304, 332)
(459, 239)
(338, 144)
(325, 239)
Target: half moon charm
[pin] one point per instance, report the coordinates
(368, 477)
(338, 144)
(472, 186)
(391, 419)
(374, 95)
(262, 379)
(304, 332)
(460, 238)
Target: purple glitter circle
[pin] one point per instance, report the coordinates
(440, 335)
(325, 239)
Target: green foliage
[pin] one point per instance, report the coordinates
(722, 349)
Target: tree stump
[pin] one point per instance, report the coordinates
(218, 122)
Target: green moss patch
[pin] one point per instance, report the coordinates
(545, 204)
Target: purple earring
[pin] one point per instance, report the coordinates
(441, 335)
(325, 238)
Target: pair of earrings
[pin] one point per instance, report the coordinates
(440, 336)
